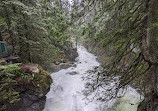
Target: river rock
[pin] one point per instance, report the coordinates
(71, 54)
(72, 73)
(66, 65)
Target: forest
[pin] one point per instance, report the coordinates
(55, 55)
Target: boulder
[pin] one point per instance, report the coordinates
(72, 73)
(32, 94)
(66, 65)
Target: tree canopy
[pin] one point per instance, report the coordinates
(126, 31)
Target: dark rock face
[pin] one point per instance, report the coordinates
(31, 102)
(70, 58)
(71, 54)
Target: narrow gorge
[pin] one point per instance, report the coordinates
(67, 90)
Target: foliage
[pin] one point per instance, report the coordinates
(125, 29)
(16, 78)
(8, 95)
(38, 30)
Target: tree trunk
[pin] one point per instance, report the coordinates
(1, 39)
(23, 41)
(9, 27)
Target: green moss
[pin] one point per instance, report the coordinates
(42, 80)
(13, 78)
(8, 95)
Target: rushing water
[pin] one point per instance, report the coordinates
(66, 90)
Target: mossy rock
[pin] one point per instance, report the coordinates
(33, 97)
(42, 80)
(25, 87)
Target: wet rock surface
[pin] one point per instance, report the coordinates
(71, 54)
(31, 102)
(72, 73)
(60, 66)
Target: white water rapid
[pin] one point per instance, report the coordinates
(66, 90)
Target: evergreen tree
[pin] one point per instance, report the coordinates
(37, 29)
(126, 29)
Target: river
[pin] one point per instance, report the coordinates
(66, 90)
